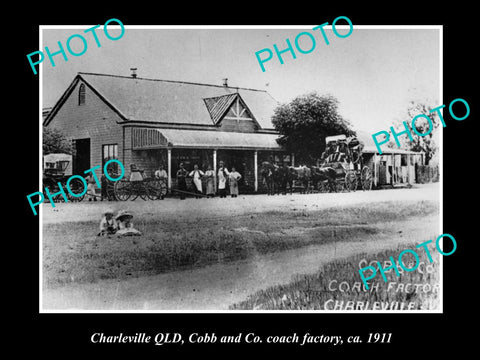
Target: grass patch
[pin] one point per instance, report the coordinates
(338, 286)
(72, 252)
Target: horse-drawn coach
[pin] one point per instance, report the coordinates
(340, 168)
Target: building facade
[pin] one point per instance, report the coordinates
(150, 122)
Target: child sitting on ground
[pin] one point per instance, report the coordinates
(125, 225)
(108, 225)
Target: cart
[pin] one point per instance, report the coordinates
(55, 174)
(146, 188)
(342, 167)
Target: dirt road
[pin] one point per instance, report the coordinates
(91, 211)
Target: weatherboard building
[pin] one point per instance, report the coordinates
(150, 122)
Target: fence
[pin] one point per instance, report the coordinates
(427, 174)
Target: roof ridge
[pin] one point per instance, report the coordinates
(171, 81)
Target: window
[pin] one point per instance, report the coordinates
(81, 94)
(110, 152)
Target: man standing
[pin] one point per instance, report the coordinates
(222, 180)
(161, 175)
(233, 178)
(181, 181)
(197, 179)
(210, 176)
(91, 188)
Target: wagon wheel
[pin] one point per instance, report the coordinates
(153, 191)
(122, 190)
(339, 186)
(323, 186)
(78, 188)
(135, 189)
(157, 189)
(57, 198)
(366, 178)
(351, 181)
(144, 190)
(111, 191)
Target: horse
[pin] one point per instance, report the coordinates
(284, 177)
(326, 175)
(276, 178)
(303, 174)
(267, 171)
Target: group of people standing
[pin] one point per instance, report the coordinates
(225, 178)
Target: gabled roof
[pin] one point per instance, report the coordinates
(217, 106)
(174, 102)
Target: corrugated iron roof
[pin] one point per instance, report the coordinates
(370, 147)
(54, 157)
(386, 150)
(218, 105)
(220, 139)
(175, 102)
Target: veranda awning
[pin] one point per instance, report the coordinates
(148, 138)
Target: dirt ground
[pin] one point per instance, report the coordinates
(244, 204)
(217, 286)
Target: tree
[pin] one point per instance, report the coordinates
(54, 141)
(306, 121)
(427, 143)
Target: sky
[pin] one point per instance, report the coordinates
(373, 73)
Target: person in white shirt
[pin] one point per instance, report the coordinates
(108, 225)
(210, 176)
(125, 224)
(135, 173)
(222, 180)
(233, 179)
(197, 179)
(161, 175)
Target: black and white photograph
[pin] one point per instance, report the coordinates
(242, 168)
(222, 179)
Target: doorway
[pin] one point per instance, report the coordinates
(242, 160)
(81, 156)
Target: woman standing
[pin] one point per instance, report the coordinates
(233, 179)
(210, 175)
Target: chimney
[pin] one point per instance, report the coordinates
(225, 82)
(134, 72)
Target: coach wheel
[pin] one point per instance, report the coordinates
(322, 186)
(366, 178)
(144, 191)
(76, 187)
(351, 181)
(122, 190)
(157, 189)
